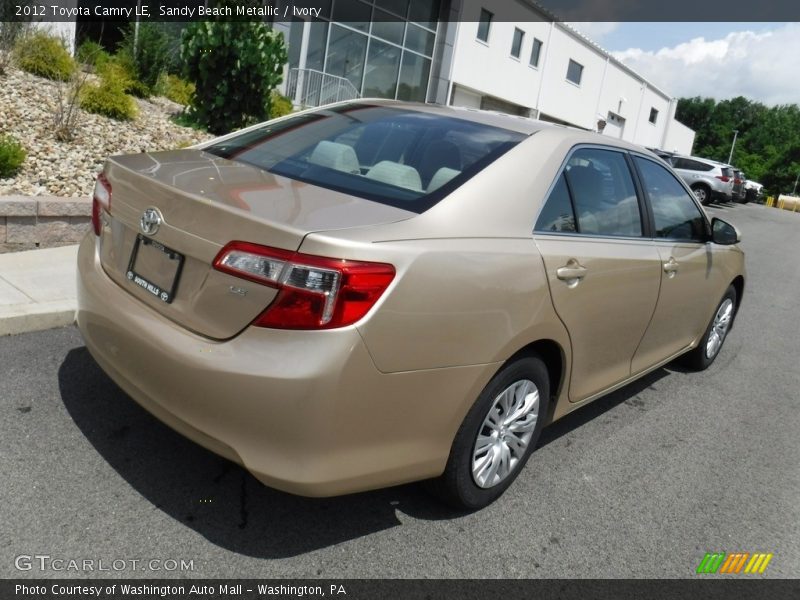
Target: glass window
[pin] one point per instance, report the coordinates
(674, 210)
(318, 37)
(389, 28)
(398, 7)
(603, 195)
(536, 52)
(557, 214)
(346, 53)
(574, 72)
(419, 39)
(400, 157)
(352, 13)
(516, 43)
(484, 25)
(424, 12)
(383, 64)
(653, 116)
(413, 77)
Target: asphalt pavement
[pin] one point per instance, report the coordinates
(641, 483)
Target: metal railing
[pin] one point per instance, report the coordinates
(308, 87)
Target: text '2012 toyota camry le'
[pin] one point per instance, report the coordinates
(376, 292)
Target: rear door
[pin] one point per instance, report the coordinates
(690, 285)
(603, 273)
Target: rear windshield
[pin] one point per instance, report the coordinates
(405, 158)
(727, 171)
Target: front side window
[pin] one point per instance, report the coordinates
(675, 213)
(484, 25)
(536, 52)
(516, 44)
(400, 157)
(574, 72)
(594, 195)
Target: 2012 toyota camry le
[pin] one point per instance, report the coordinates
(374, 292)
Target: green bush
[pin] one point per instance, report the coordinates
(44, 55)
(234, 67)
(108, 98)
(176, 89)
(151, 55)
(91, 53)
(279, 106)
(120, 70)
(12, 155)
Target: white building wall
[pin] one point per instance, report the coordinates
(679, 138)
(606, 85)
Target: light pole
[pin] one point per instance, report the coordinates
(733, 145)
(794, 191)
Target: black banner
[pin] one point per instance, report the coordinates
(407, 589)
(418, 10)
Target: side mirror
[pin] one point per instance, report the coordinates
(723, 233)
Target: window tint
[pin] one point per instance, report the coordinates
(400, 157)
(484, 24)
(603, 193)
(574, 72)
(536, 52)
(516, 44)
(675, 213)
(557, 214)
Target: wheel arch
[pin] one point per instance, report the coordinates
(555, 361)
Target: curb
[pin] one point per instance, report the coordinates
(37, 317)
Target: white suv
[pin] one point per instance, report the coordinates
(708, 179)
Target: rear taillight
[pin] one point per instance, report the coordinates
(314, 292)
(101, 201)
(723, 178)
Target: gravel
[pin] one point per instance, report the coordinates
(68, 169)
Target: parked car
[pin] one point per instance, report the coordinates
(739, 179)
(754, 191)
(376, 292)
(709, 180)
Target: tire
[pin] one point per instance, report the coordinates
(701, 357)
(476, 475)
(702, 193)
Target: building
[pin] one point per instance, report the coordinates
(505, 55)
(509, 56)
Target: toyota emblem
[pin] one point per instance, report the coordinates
(150, 221)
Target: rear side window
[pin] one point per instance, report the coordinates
(692, 165)
(603, 195)
(675, 213)
(405, 158)
(593, 195)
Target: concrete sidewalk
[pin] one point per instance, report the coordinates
(37, 289)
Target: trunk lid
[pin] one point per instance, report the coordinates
(204, 202)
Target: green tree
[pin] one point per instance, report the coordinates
(234, 67)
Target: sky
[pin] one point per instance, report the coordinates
(760, 61)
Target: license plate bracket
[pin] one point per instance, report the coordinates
(162, 279)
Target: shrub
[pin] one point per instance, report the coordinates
(279, 106)
(108, 98)
(91, 53)
(150, 56)
(251, 57)
(12, 155)
(44, 55)
(120, 70)
(176, 89)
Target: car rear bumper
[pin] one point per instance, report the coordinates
(306, 412)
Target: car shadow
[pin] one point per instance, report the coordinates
(223, 502)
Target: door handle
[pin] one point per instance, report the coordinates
(671, 267)
(572, 272)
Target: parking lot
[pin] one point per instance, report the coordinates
(641, 483)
